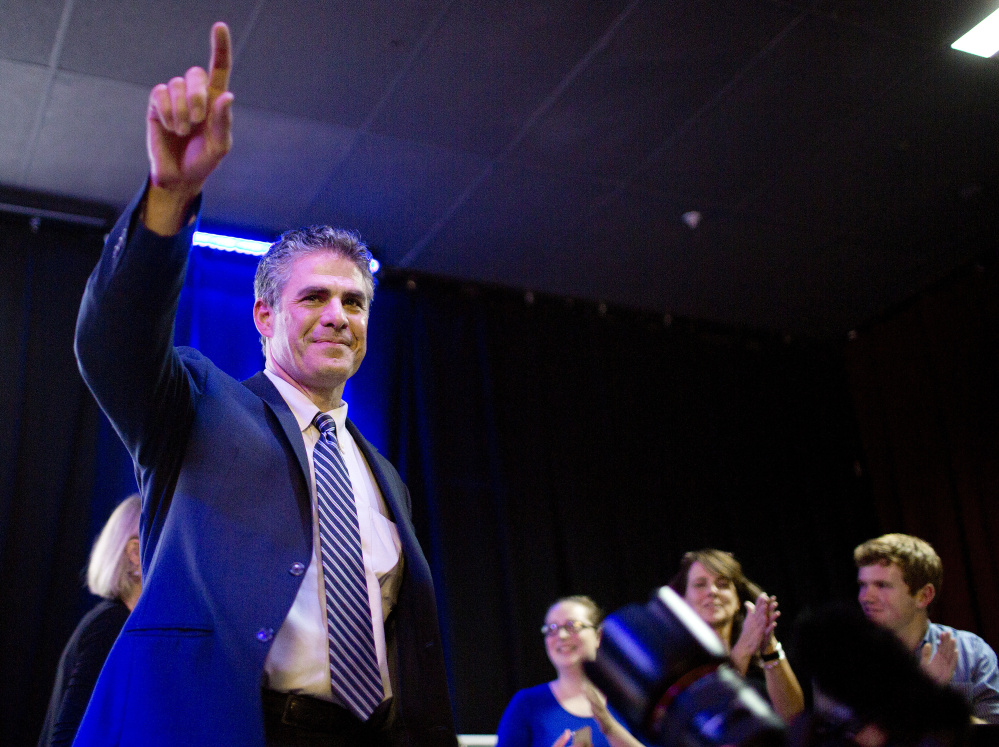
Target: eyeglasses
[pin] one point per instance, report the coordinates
(569, 626)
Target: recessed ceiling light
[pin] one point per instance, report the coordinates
(692, 218)
(982, 40)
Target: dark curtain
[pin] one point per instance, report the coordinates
(558, 450)
(48, 428)
(551, 448)
(926, 385)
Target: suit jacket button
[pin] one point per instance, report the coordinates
(297, 569)
(264, 635)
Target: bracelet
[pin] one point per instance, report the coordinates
(774, 656)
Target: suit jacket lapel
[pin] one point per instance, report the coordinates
(260, 385)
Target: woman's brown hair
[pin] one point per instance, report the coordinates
(725, 565)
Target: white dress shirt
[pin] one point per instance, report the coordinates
(298, 661)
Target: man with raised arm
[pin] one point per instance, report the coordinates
(899, 575)
(286, 599)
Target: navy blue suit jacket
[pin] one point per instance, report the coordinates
(226, 513)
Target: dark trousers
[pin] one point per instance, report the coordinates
(302, 721)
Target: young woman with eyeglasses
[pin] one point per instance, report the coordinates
(563, 711)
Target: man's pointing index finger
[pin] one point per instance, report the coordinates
(221, 61)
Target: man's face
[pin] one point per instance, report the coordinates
(885, 598)
(317, 336)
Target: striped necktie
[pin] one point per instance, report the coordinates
(353, 662)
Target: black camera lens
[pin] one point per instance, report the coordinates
(666, 673)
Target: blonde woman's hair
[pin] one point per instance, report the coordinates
(108, 574)
(593, 609)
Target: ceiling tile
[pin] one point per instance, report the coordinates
(667, 61)
(21, 90)
(276, 166)
(394, 191)
(328, 61)
(92, 141)
(145, 42)
(28, 31)
(911, 151)
(489, 67)
(521, 228)
(815, 81)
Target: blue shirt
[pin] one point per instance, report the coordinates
(976, 676)
(534, 718)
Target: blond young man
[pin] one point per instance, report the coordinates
(899, 576)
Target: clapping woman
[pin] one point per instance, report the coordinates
(567, 709)
(745, 618)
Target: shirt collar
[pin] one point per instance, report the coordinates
(930, 636)
(302, 407)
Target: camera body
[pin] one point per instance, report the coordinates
(665, 671)
(668, 675)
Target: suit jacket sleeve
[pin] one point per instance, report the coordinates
(124, 339)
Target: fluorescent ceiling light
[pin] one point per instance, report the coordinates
(246, 246)
(982, 40)
(230, 243)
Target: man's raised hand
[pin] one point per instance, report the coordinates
(940, 665)
(188, 132)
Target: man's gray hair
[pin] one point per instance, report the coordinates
(275, 266)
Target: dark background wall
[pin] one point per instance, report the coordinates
(552, 447)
